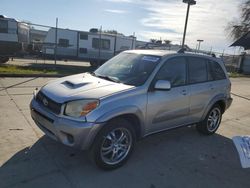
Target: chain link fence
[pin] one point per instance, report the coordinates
(29, 43)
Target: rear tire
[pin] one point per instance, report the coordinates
(212, 121)
(113, 144)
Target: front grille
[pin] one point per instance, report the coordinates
(42, 115)
(48, 103)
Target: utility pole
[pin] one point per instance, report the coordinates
(199, 44)
(189, 2)
(133, 41)
(100, 43)
(115, 44)
(223, 53)
(211, 49)
(196, 48)
(55, 50)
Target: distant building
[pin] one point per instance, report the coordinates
(243, 41)
(244, 63)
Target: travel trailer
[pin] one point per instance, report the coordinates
(14, 38)
(91, 46)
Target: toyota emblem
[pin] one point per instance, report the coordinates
(45, 102)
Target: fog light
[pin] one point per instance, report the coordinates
(70, 138)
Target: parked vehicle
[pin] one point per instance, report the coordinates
(14, 38)
(134, 94)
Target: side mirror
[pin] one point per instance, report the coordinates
(162, 85)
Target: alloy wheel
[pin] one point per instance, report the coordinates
(214, 119)
(116, 146)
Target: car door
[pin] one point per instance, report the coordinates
(169, 108)
(200, 89)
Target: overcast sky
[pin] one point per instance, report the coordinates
(159, 19)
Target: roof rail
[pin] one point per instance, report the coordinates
(198, 53)
(182, 50)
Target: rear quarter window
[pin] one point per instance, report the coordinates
(215, 71)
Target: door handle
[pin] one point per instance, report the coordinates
(184, 92)
(211, 87)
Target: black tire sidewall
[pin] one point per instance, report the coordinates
(96, 147)
(202, 126)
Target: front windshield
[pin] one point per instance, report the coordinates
(128, 68)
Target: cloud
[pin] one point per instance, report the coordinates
(115, 11)
(120, 1)
(139, 1)
(207, 20)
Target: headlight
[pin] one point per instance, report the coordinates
(80, 108)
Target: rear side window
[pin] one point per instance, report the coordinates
(63, 42)
(174, 70)
(215, 72)
(197, 70)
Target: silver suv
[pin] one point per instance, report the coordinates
(134, 94)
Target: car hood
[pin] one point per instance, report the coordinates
(81, 86)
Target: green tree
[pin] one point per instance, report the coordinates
(153, 40)
(238, 27)
(114, 32)
(167, 42)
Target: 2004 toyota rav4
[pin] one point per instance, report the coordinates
(134, 94)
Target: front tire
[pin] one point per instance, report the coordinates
(113, 145)
(212, 121)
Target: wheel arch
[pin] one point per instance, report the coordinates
(222, 105)
(220, 100)
(132, 118)
(129, 113)
(135, 122)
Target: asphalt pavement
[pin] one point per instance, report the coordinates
(177, 158)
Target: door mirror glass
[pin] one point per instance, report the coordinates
(162, 85)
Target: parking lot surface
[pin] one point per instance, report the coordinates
(177, 158)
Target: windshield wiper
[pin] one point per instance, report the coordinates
(92, 73)
(110, 78)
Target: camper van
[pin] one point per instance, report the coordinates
(91, 46)
(14, 37)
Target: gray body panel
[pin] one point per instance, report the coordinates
(167, 109)
(81, 86)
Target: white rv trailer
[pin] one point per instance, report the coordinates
(14, 37)
(85, 45)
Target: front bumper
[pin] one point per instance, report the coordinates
(72, 133)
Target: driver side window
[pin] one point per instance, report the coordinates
(174, 70)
